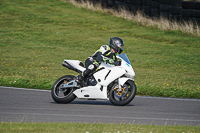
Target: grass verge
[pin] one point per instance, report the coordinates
(188, 27)
(36, 36)
(6, 127)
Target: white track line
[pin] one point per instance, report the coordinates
(25, 89)
(170, 98)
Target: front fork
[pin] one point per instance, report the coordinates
(121, 82)
(119, 86)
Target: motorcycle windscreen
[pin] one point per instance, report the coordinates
(124, 57)
(127, 66)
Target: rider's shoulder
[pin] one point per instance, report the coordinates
(104, 48)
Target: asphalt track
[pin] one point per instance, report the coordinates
(30, 105)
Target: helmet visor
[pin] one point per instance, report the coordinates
(121, 46)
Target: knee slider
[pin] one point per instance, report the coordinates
(91, 67)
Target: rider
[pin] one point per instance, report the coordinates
(104, 54)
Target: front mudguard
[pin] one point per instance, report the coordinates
(123, 80)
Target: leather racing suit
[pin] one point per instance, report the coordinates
(92, 63)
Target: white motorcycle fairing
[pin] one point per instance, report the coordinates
(104, 77)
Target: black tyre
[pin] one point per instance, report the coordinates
(104, 3)
(196, 13)
(155, 12)
(186, 12)
(155, 5)
(146, 2)
(111, 3)
(197, 5)
(134, 9)
(156, 0)
(164, 14)
(119, 5)
(196, 21)
(127, 7)
(164, 7)
(134, 2)
(124, 97)
(62, 95)
(175, 10)
(127, 1)
(146, 10)
(186, 19)
(165, 1)
(175, 17)
(188, 4)
(176, 3)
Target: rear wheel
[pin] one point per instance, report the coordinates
(125, 96)
(61, 95)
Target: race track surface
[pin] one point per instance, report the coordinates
(29, 105)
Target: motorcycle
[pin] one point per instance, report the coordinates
(109, 82)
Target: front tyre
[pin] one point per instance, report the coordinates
(60, 95)
(125, 96)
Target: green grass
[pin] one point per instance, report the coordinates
(36, 36)
(92, 128)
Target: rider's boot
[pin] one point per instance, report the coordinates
(79, 79)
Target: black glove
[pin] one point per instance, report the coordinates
(117, 63)
(110, 61)
(107, 62)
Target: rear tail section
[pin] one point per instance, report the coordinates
(74, 65)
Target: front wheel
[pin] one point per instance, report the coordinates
(125, 96)
(61, 95)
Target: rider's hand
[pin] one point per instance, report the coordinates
(117, 63)
(107, 62)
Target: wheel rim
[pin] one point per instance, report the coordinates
(60, 92)
(123, 94)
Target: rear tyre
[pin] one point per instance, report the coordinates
(63, 95)
(125, 96)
